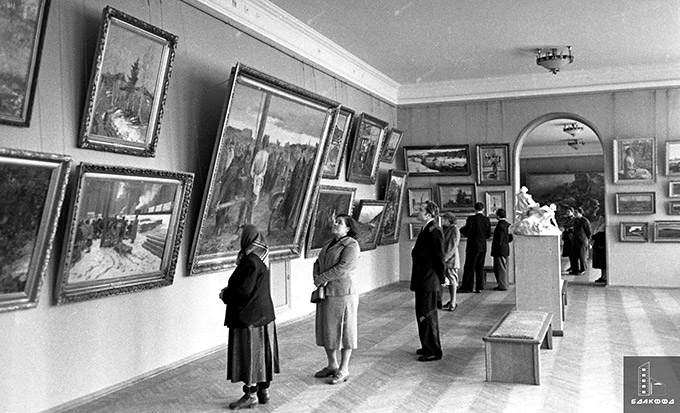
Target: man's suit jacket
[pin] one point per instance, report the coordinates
(477, 229)
(428, 271)
(501, 238)
(582, 231)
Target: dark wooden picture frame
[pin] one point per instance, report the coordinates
(331, 202)
(24, 22)
(369, 216)
(394, 195)
(493, 164)
(128, 86)
(635, 203)
(634, 232)
(368, 138)
(338, 143)
(437, 160)
(391, 145)
(33, 186)
(265, 171)
(125, 227)
(456, 197)
(674, 189)
(673, 207)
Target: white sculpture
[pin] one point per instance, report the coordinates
(533, 219)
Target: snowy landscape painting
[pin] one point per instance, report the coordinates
(125, 229)
(128, 86)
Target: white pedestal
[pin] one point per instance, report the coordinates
(538, 280)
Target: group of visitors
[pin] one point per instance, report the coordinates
(578, 238)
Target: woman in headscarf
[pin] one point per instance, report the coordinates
(252, 353)
(336, 316)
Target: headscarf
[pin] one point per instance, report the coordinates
(252, 241)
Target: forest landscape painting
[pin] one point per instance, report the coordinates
(266, 166)
(128, 86)
(125, 228)
(22, 28)
(33, 185)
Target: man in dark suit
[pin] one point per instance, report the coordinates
(477, 229)
(500, 250)
(427, 277)
(578, 256)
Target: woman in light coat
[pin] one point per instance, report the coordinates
(336, 315)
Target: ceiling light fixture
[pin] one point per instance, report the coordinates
(554, 58)
(572, 128)
(575, 143)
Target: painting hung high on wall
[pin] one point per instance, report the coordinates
(125, 229)
(338, 143)
(32, 185)
(456, 197)
(438, 160)
(22, 29)
(331, 202)
(266, 166)
(493, 164)
(129, 82)
(417, 196)
(369, 216)
(634, 232)
(634, 160)
(391, 145)
(394, 195)
(367, 141)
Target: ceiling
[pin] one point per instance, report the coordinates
(419, 42)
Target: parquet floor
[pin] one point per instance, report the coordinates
(582, 373)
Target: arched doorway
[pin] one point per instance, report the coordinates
(567, 170)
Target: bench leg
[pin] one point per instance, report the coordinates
(547, 340)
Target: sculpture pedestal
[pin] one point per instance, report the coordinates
(538, 276)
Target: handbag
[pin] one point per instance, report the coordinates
(318, 295)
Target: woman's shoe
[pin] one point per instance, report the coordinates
(600, 280)
(325, 372)
(247, 401)
(263, 396)
(338, 377)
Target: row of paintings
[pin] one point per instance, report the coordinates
(644, 203)
(664, 231)
(455, 198)
(635, 160)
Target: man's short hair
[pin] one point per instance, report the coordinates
(479, 206)
(500, 213)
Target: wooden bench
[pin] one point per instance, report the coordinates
(512, 347)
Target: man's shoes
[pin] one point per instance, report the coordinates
(581, 272)
(429, 358)
(601, 281)
(463, 291)
(439, 305)
(574, 273)
(500, 289)
(477, 291)
(420, 352)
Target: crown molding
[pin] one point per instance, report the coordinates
(567, 82)
(265, 20)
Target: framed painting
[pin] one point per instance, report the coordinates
(414, 229)
(124, 232)
(128, 85)
(674, 189)
(667, 231)
(22, 29)
(493, 164)
(391, 144)
(673, 207)
(367, 141)
(331, 202)
(394, 195)
(635, 203)
(338, 143)
(634, 232)
(265, 171)
(672, 158)
(32, 185)
(369, 216)
(634, 160)
(417, 196)
(493, 201)
(456, 197)
(438, 160)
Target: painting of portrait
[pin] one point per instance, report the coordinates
(634, 160)
(394, 195)
(332, 201)
(266, 169)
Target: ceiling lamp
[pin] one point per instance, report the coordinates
(572, 128)
(553, 58)
(575, 143)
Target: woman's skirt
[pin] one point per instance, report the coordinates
(252, 354)
(336, 322)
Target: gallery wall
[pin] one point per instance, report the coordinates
(56, 355)
(623, 114)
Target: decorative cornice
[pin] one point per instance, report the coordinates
(264, 19)
(567, 82)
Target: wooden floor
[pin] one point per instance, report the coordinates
(582, 373)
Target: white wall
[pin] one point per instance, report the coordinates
(53, 355)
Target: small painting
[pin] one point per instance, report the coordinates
(635, 203)
(369, 216)
(634, 160)
(456, 197)
(338, 143)
(414, 229)
(493, 164)
(368, 139)
(331, 202)
(674, 189)
(394, 195)
(667, 231)
(437, 160)
(673, 207)
(494, 201)
(391, 145)
(417, 196)
(672, 158)
(634, 232)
